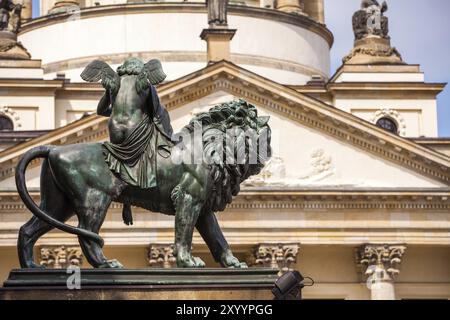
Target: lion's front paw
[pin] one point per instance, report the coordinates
(188, 261)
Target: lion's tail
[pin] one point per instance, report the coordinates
(43, 152)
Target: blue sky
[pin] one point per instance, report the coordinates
(419, 30)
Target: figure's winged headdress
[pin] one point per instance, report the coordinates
(99, 70)
(150, 73)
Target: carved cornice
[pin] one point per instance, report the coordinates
(164, 7)
(320, 199)
(161, 255)
(60, 257)
(375, 258)
(365, 89)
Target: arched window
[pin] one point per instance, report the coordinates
(388, 124)
(6, 123)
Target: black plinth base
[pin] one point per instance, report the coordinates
(252, 283)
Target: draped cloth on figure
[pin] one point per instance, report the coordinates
(134, 159)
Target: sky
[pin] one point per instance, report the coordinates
(419, 30)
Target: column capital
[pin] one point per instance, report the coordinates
(275, 255)
(161, 255)
(60, 257)
(388, 257)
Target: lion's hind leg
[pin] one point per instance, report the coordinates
(91, 212)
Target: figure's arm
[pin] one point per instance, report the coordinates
(104, 106)
(165, 120)
(160, 113)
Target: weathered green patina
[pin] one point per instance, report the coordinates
(143, 166)
(134, 159)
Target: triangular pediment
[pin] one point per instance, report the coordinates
(311, 126)
(304, 157)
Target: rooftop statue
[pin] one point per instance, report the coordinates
(10, 23)
(10, 16)
(372, 42)
(191, 177)
(370, 20)
(217, 13)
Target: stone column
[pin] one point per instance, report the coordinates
(290, 6)
(379, 264)
(161, 256)
(218, 43)
(217, 35)
(315, 9)
(278, 256)
(60, 257)
(64, 6)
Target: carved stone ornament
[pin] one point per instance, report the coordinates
(10, 113)
(162, 256)
(60, 257)
(274, 173)
(373, 258)
(394, 115)
(280, 256)
(367, 52)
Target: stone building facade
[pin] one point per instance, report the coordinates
(357, 193)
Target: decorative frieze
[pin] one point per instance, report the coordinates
(260, 199)
(280, 255)
(60, 257)
(161, 256)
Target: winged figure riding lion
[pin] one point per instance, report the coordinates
(145, 165)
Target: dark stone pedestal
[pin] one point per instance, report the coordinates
(106, 284)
